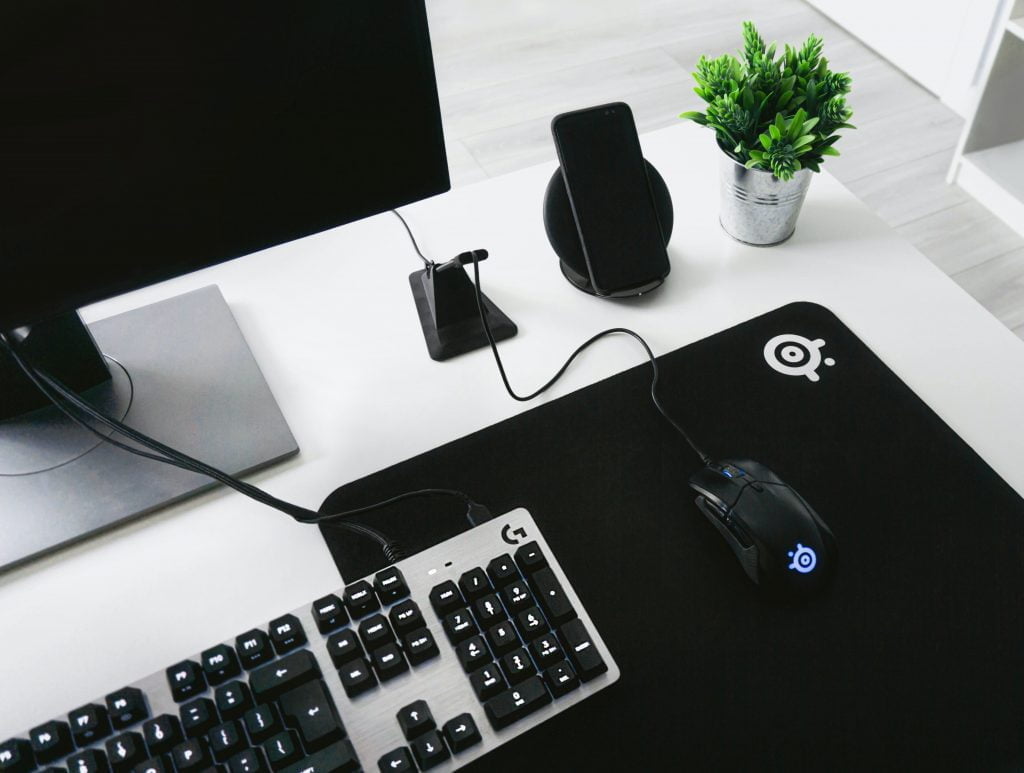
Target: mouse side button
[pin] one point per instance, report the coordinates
(740, 543)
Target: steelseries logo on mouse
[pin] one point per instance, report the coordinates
(793, 355)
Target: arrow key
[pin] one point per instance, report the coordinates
(430, 750)
(310, 710)
(397, 761)
(461, 733)
(415, 719)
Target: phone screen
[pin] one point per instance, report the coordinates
(611, 198)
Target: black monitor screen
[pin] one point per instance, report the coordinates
(141, 140)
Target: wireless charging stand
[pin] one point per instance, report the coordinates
(563, 233)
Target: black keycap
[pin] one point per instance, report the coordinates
(16, 756)
(488, 610)
(551, 598)
(529, 558)
(186, 680)
(516, 702)
(415, 719)
(220, 664)
(502, 570)
(357, 677)
(502, 637)
(273, 679)
(397, 761)
(233, 699)
(158, 764)
(561, 679)
(88, 725)
(474, 584)
(459, 625)
(125, 751)
(582, 651)
(50, 741)
(360, 599)
(329, 614)
(388, 661)
(530, 623)
(405, 617)
(262, 722)
(191, 755)
(198, 716)
(339, 757)
(472, 654)
(420, 646)
(445, 598)
(282, 750)
(126, 707)
(286, 633)
(161, 733)
(517, 596)
(546, 650)
(375, 631)
(249, 761)
(310, 710)
(429, 750)
(226, 740)
(390, 585)
(343, 647)
(487, 681)
(88, 761)
(254, 648)
(517, 666)
(461, 733)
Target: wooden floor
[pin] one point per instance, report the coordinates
(505, 67)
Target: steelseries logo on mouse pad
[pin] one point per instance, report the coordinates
(794, 355)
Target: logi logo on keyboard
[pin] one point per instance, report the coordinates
(513, 536)
(793, 355)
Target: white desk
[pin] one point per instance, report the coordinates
(331, 321)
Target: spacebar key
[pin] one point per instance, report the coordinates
(282, 675)
(514, 704)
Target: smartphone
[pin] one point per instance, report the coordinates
(611, 199)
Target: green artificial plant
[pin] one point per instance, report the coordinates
(777, 114)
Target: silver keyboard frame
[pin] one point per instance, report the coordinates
(370, 718)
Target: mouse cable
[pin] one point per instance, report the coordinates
(579, 350)
(78, 411)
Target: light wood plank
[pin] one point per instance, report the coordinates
(998, 285)
(961, 237)
(908, 191)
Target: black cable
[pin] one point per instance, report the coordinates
(56, 392)
(579, 350)
(426, 261)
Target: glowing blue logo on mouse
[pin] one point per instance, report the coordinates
(804, 559)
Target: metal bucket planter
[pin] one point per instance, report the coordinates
(756, 206)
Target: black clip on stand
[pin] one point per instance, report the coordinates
(446, 302)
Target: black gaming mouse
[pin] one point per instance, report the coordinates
(782, 544)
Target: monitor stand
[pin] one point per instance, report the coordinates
(181, 372)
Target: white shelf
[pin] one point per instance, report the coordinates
(995, 177)
(1016, 26)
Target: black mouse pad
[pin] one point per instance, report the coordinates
(914, 658)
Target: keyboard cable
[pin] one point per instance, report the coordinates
(80, 412)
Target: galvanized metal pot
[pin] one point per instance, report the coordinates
(756, 206)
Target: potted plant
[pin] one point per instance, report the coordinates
(775, 120)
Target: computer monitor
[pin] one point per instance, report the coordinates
(141, 141)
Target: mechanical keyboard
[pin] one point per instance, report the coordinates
(427, 664)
